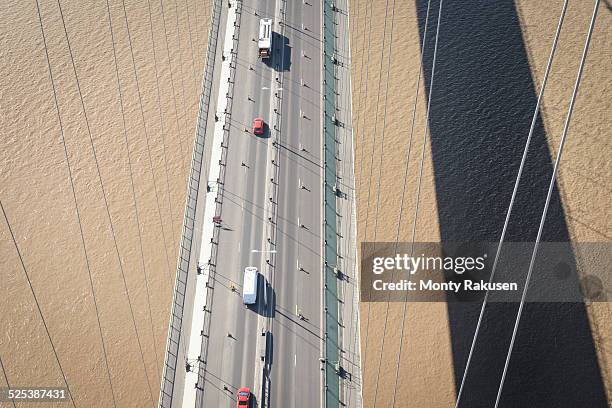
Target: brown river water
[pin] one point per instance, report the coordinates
(130, 200)
(139, 190)
(490, 64)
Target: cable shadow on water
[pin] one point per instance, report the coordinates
(483, 97)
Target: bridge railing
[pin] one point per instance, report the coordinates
(185, 263)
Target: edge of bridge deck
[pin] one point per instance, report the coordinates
(185, 263)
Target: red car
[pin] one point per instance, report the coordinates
(244, 397)
(258, 126)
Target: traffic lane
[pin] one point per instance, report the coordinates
(255, 177)
(232, 326)
(232, 357)
(308, 337)
(310, 205)
(303, 145)
(304, 126)
(299, 344)
(306, 205)
(283, 369)
(238, 361)
(254, 158)
(250, 101)
(235, 355)
(248, 64)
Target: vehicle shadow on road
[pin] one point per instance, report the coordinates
(482, 105)
(281, 53)
(266, 134)
(266, 299)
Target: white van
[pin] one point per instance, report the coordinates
(265, 37)
(249, 285)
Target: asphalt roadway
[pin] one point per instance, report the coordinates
(289, 307)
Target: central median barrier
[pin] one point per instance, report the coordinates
(331, 334)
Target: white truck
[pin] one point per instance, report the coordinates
(265, 38)
(249, 285)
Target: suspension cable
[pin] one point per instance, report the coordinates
(195, 74)
(401, 208)
(146, 134)
(363, 89)
(25, 271)
(178, 41)
(354, 310)
(199, 44)
(176, 114)
(135, 205)
(418, 192)
(76, 204)
(365, 231)
(382, 52)
(181, 75)
(514, 193)
(112, 229)
(163, 137)
(382, 150)
(8, 384)
(548, 197)
(384, 126)
(367, 324)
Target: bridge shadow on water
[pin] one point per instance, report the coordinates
(482, 104)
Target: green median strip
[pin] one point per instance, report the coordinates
(332, 357)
